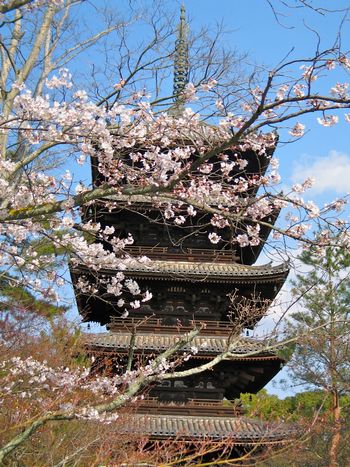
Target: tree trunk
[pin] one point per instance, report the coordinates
(335, 441)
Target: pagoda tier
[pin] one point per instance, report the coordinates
(249, 369)
(184, 291)
(158, 239)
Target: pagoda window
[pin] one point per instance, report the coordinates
(165, 384)
(180, 309)
(200, 385)
(179, 384)
(169, 308)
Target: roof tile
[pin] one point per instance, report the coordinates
(240, 429)
(146, 341)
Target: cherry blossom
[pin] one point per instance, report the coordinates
(328, 120)
(209, 85)
(214, 238)
(150, 163)
(340, 90)
(194, 171)
(298, 130)
(64, 80)
(243, 240)
(299, 89)
(330, 64)
(281, 92)
(308, 73)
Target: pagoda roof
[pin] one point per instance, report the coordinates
(203, 271)
(264, 281)
(240, 430)
(206, 345)
(154, 200)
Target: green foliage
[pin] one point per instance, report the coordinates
(266, 406)
(18, 297)
(321, 356)
(302, 406)
(325, 287)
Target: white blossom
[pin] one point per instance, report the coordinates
(214, 238)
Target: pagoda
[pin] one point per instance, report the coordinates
(195, 285)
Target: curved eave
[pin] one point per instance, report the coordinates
(204, 272)
(202, 356)
(208, 346)
(237, 430)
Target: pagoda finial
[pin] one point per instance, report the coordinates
(181, 62)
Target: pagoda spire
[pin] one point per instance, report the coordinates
(181, 63)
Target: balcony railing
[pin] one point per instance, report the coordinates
(152, 325)
(183, 254)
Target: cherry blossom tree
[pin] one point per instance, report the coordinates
(141, 145)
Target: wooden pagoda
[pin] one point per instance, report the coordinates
(194, 284)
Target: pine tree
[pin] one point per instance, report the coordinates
(321, 357)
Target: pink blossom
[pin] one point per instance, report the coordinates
(309, 182)
(298, 90)
(219, 104)
(344, 60)
(281, 92)
(330, 64)
(191, 211)
(63, 80)
(242, 163)
(308, 73)
(298, 130)
(133, 286)
(274, 163)
(119, 85)
(209, 85)
(340, 90)
(328, 120)
(147, 296)
(299, 230)
(219, 221)
(242, 240)
(314, 211)
(179, 220)
(190, 92)
(298, 188)
(214, 238)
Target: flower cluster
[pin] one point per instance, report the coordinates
(185, 165)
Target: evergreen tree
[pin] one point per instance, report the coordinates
(321, 357)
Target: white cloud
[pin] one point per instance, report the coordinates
(332, 173)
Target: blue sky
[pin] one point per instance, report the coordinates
(253, 29)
